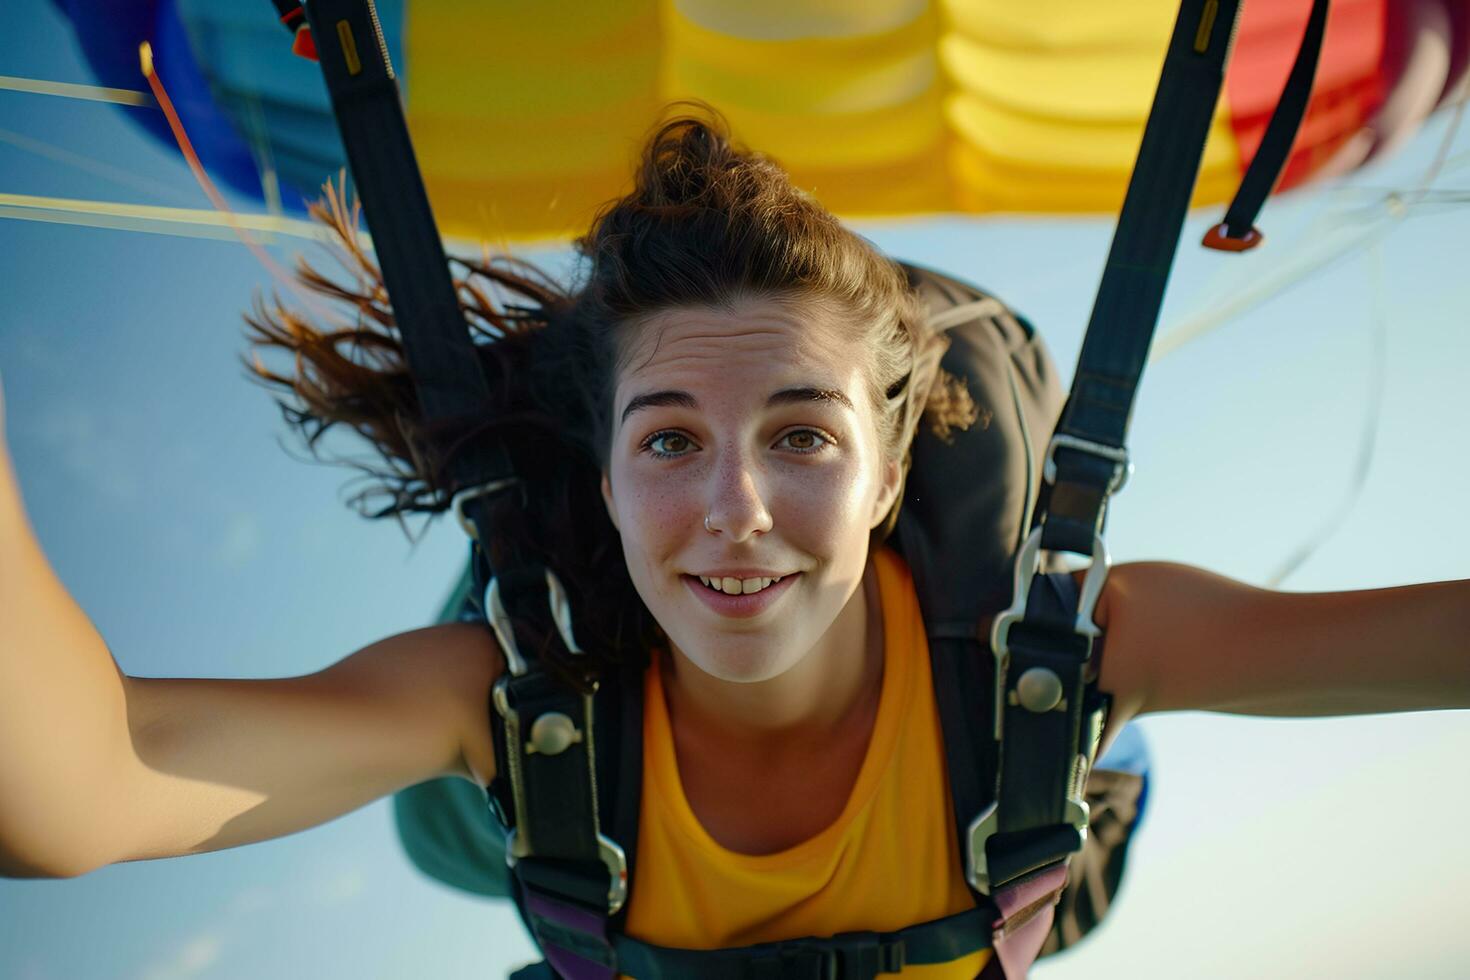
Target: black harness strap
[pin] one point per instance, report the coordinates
(546, 781)
(436, 339)
(1238, 231)
(1043, 653)
(851, 956)
(1048, 718)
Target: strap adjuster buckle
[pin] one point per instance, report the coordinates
(561, 614)
(1122, 465)
(852, 955)
(977, 863)
(462, 497)
(614, 858)
(1028, 564)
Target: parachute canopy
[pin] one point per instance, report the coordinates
(527, 115)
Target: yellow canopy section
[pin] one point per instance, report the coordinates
(528, 114)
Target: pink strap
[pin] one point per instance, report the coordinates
(1026, 909)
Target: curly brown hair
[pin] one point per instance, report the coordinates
(707, 223)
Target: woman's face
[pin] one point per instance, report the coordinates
(759, 420)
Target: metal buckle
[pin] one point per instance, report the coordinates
(457, 503)
(561, 611)
(983, 827)
(561, 614)
(613, 858)
(858, 954)
(1122, 466)
(505, 633)
(1028, 562)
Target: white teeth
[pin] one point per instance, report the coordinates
(736, 586)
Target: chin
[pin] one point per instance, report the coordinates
(737, 663)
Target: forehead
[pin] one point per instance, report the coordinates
(755, 339)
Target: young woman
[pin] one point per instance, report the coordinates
(714, 425)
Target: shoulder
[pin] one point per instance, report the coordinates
(475, 663)
(1169, 632)
(450, 669)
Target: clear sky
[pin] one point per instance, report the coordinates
(156, 479)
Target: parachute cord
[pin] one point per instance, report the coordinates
(1366, 226)
(1367, 439)
(117, 175)
(281, 275)
(71, 90)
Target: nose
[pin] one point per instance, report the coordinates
(737, 506)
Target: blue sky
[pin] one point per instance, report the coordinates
(155, 477)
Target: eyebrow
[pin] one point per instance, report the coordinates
(786, 396)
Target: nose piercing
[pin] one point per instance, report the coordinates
(707, 527)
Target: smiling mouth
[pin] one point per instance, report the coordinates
(740, 604)
(738, 586)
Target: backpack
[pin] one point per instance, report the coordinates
(979, 489)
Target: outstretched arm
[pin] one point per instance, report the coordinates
(98, 767)
(1181, 638)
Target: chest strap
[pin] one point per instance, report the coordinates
(577, 945)
(578, 948)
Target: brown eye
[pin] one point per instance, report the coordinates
(664, 445)
(806, 441)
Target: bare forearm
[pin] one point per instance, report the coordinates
(63, 711)
(1193, 640)
(1399, 649)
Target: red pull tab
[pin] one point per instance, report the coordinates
(305, 44)
(1219, 239)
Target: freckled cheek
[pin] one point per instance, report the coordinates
(820, 506)
(658, 513)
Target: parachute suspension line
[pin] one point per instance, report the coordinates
(176, 126)
(1366, 227)
(71, 90)
(260, 151)
(97, 168)
(1368, 437)
(1443, 153)
(1369, 225)
(149, 219)
(1265, 287)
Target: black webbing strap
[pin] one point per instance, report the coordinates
(1045, 724)
(1126, 310)
(1048, 733)
(1039, 833)
(1238, 231)
(849, 956)
(545, 756)
(436, 338)
(571, 879)
(290, 13)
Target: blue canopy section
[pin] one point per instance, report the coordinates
(258, 116)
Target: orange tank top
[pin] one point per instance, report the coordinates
(887, 862)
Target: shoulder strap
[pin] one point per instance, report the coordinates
(583, 945)
(570, 876)
(1042, 655)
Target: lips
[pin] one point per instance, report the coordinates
(739, 606)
